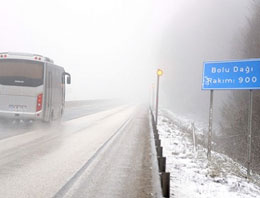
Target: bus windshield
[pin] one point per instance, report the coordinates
(21, 73)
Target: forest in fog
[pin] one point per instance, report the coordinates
(234, 112)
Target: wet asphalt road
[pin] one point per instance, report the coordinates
(103, 154)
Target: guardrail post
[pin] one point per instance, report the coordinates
(157, 142)
(159, 151)
(165, 182)
(162, 164)
(164, 176)
(156, 136)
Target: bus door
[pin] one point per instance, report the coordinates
(49, 93)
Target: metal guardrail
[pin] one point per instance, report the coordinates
(164, 176)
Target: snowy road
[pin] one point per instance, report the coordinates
(74, 109)
(107, 154)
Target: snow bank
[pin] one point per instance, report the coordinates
(191, 174)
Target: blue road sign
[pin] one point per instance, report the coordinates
(240, 74)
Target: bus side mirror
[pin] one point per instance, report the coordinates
(68, 79)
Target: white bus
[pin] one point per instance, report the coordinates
(32, 87)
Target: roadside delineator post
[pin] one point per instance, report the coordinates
(194, 137)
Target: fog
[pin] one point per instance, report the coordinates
(201, 31)
(107, 46)
(113, 48)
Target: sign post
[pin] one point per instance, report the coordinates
(249, 138)
(239, 74)
(159, 73)
(210, 125)
(152, 99)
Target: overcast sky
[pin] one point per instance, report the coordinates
(109, 47)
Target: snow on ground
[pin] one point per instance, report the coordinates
(191, 174)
